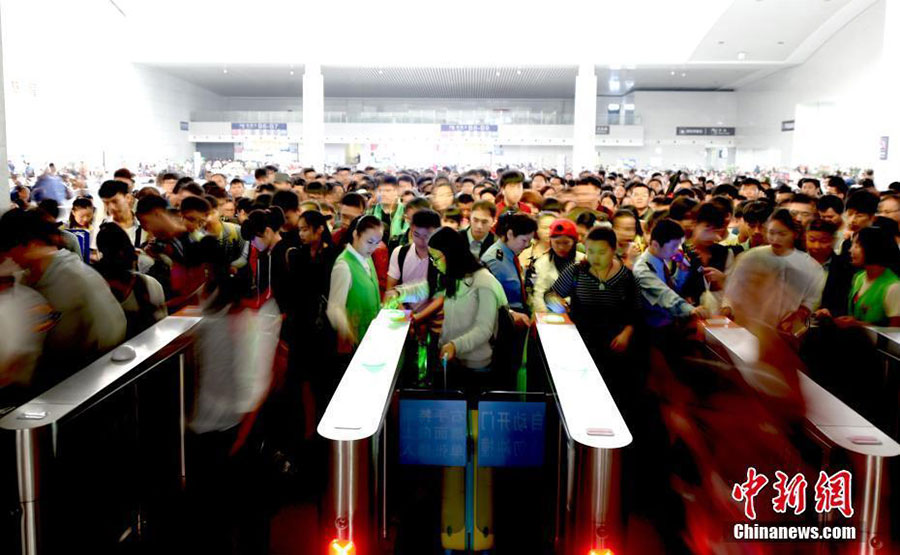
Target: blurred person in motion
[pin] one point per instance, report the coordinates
(141, 297)
(797, 279)
(354, 299)
(27, 317)
(175, 260)
(87, 321)
(709, 261)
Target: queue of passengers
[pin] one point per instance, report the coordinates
(628, 261)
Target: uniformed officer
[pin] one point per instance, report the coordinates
(515, 231)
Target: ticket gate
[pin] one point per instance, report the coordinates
(839, 431)
(564, 441)
(87, 465)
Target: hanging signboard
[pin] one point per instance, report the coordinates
(705, 131)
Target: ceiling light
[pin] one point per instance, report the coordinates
(292, 72)
(380, 72)
(225, 70)
(781, 42)
(629, 107)
(497, 74)
(742, 55)
(612, 107)
(518, 72)
(684, 74)
(671, 73)
(614, 85)
(721, 42)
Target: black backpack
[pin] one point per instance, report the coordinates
(504, 362)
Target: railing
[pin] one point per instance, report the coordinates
(594, 432)
(591, 432)
(353, 422)
(831, 423)
(110, 402)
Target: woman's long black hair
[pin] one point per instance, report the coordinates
(459, 261)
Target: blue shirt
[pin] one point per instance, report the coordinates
(501, 261)
(659, 296)
(49, 186)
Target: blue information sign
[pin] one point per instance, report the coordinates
(433, 432)
(511, 433)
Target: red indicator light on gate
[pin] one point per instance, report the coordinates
(341, 547)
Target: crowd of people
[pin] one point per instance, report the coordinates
(634, 260)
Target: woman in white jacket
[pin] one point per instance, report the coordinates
(472, 297)
(562, 254)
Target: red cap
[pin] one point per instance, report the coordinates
(564, 228)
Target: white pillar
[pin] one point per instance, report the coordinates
(584, 155)
(4, 166)
(885, 112)
(313, 152)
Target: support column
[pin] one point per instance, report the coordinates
(584, 155)
(313, 151)
(885, 111)
(4, 165)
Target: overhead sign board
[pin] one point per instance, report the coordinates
(602, 130)
(704, 131)
(787, 125)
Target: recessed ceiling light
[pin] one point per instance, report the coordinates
(721, 42)
(742, 56)
(292, 72)
(684, 74)
(380, 72)
(497, 74)
(225, 70)
(781, 42)
(671, 73)
(518, 72)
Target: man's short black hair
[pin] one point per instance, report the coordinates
(260, 173)
(863, 202)
(837, 182)
(518, 223)
(682, 208)
(387, 180)
(666, 230)
(802, 198)
(751, 181)
(195, 204)
(757, 212)
(123, 172)
(818, 224)
(830, 201)
(243, 204)
(712, 215)
(111, 188)
(636, 185)
(150, 203)
(426, 218)
(168, 176)
(288, 201)
(511, 177)
(20, 227)
(192, 188)
(465, 198)
(342, 169)
(590, 180)
(236, 180)
(315, 188)
(355, 200)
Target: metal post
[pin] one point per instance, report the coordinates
(182, 422)
(871, 501)
(384, 457)
(27, 455)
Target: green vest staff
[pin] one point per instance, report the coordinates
(868, 307)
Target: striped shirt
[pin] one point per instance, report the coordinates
(600, 309)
